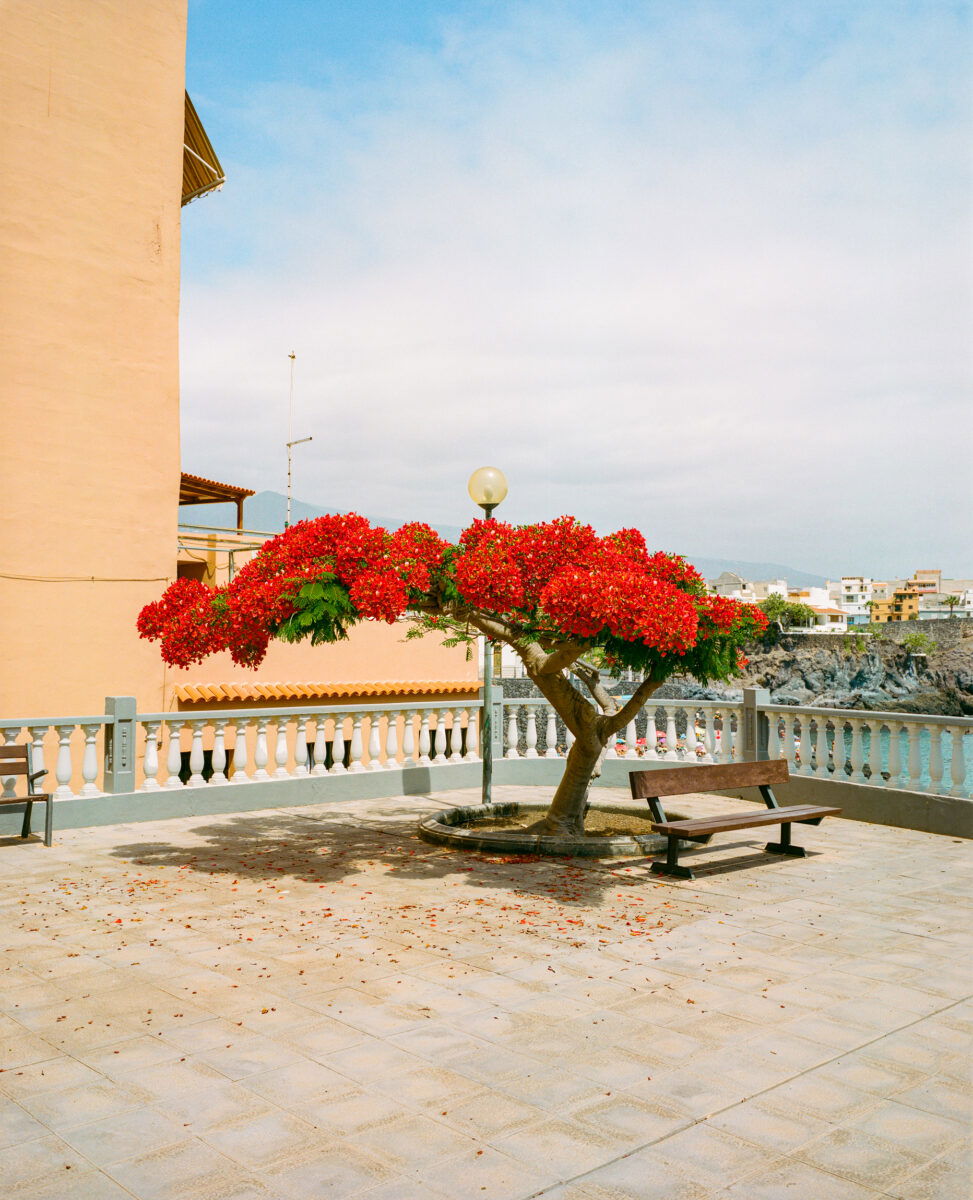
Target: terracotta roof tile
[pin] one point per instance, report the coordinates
(222, 693)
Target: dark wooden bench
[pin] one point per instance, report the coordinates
(681, 781)
(16, 760)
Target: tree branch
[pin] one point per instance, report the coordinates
(591, 677)
(630, 710)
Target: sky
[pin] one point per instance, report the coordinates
(699, 267)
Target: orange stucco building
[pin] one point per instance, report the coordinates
(101, 148)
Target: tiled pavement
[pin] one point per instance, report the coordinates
(311, 1003)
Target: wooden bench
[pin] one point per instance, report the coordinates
(16, 760)
(681, 781)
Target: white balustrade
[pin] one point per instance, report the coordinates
(174, 753)
(196, 758)
(261, 753)
(89, 761)
(873, 756)
(374, 743)
(651, 734)
(357, 747)
(409, 739)
(425, 740)
(456, 737)
(857, 752)
(218, 759)
(440, 741)
(915, 761)
(37, 762)
(513, 734)
(281, 752)
(550, 735)
(320, 746)
(63, 770)
(530, 735)
(672, 752)
(301, 736)
(726, 738)
(631, 740)
(338, 746)
(471, 734)
(957, 763)
(10, 782)
(691, 741)
(773, 736)
(895, 753)
(240, 755)
(392, 741)
(839, 751)
(935, 759)
(150, 757)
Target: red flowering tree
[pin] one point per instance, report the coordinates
(556, 593)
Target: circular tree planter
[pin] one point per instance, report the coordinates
(468, 829)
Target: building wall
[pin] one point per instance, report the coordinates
(91, 133)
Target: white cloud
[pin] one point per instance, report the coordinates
(661, 276)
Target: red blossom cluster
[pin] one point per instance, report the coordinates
(557, 579)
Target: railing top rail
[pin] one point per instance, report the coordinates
(36, 722)
(327, 710)
(652, 702)
(860, 714)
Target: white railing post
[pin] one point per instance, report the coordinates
(957, 763)
(839, 750)
(530, 738)
(672, 753)
(425, 742)
(857, 754)
(36, 733)
(150, 757)
(89, 761)
(196, 759)
(513, 733)
(320, 746)
(895, 753)
(651, 733)
(338, 746)
(935, 759)
(374, 743)
(773, 735)
(64, 770)
(440, 742)
(631, 740)
(726, 738)
(281, 752)
(456, 737)
(219, 752)
(261, 754)
(915, 762)
(391, 740)
(874, 756)
(471, 723)
(691, 742)
(550, 735)
(357, 748)
(10, 781)
(174, 753)
(240, 755)
(409, 739)
(300, 745)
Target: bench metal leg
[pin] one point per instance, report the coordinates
(49, 823)
(784, 845)
(671, 865)
(25, 828)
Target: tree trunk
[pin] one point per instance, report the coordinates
(565, 817)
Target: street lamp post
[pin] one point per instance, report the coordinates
(487, 488)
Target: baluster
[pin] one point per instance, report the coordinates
(957, 763)
(672, 753)
(731, 735)
(425, 742)
(691, 742)
(261, 755)
(550, 735)
(631, 740)
(392, 740)
(150, 757)
(300, 746)
(281, 753)
(219, 752)
(873, 755)
(456, 737)
(800, 743)
(840, 751)
(36, 733)
(63, 770)
(651, 734)
(530, 738)
(357, 748)
(196, 759)
(814, 745)
(513, 734)
(320, 745)
(773, 735)
(935, 759)
(374, 743)
(440, 755)
(240, 756)
(338, 746)
(787, 737)
(915, 760)
(471, 744)
(10, 781)
(895, 754)
(857, 754)
(726, 738)
(174, 753)
(409, 740)
(89, 761)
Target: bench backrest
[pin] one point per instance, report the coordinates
(14, 760)
(700, 777)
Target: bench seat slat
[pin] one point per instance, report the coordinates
(745, 820)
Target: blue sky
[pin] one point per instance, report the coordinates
(699, 267)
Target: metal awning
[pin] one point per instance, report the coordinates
(194, 489)
(201, 169)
